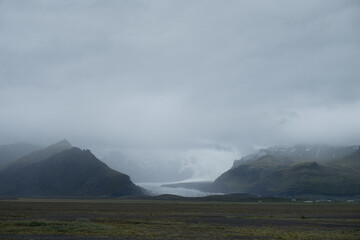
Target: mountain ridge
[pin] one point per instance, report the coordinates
(301, 153)
(44, 153)
(276, 171)
(68, 173)
(12, 152)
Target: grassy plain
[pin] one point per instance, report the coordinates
(155, 219)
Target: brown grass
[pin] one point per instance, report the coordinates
(134, 219)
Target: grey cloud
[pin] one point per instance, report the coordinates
(179, 74)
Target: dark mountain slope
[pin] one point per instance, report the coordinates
(352, 161)
(70, 173)
(12, 152)
(274, 175)
(314, 178)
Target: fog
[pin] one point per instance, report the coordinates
(191, 84)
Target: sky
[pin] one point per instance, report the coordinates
(197, 81)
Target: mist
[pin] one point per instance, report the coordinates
(183, 86)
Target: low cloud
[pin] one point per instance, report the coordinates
(173, 76)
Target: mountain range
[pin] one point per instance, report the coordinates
(62, 170)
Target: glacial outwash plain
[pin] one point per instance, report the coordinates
(166, 219)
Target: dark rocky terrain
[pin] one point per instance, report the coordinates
(279, 172)
(61, 170)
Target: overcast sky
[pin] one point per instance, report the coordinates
(215, 76)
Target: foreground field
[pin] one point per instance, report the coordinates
(134, 219)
